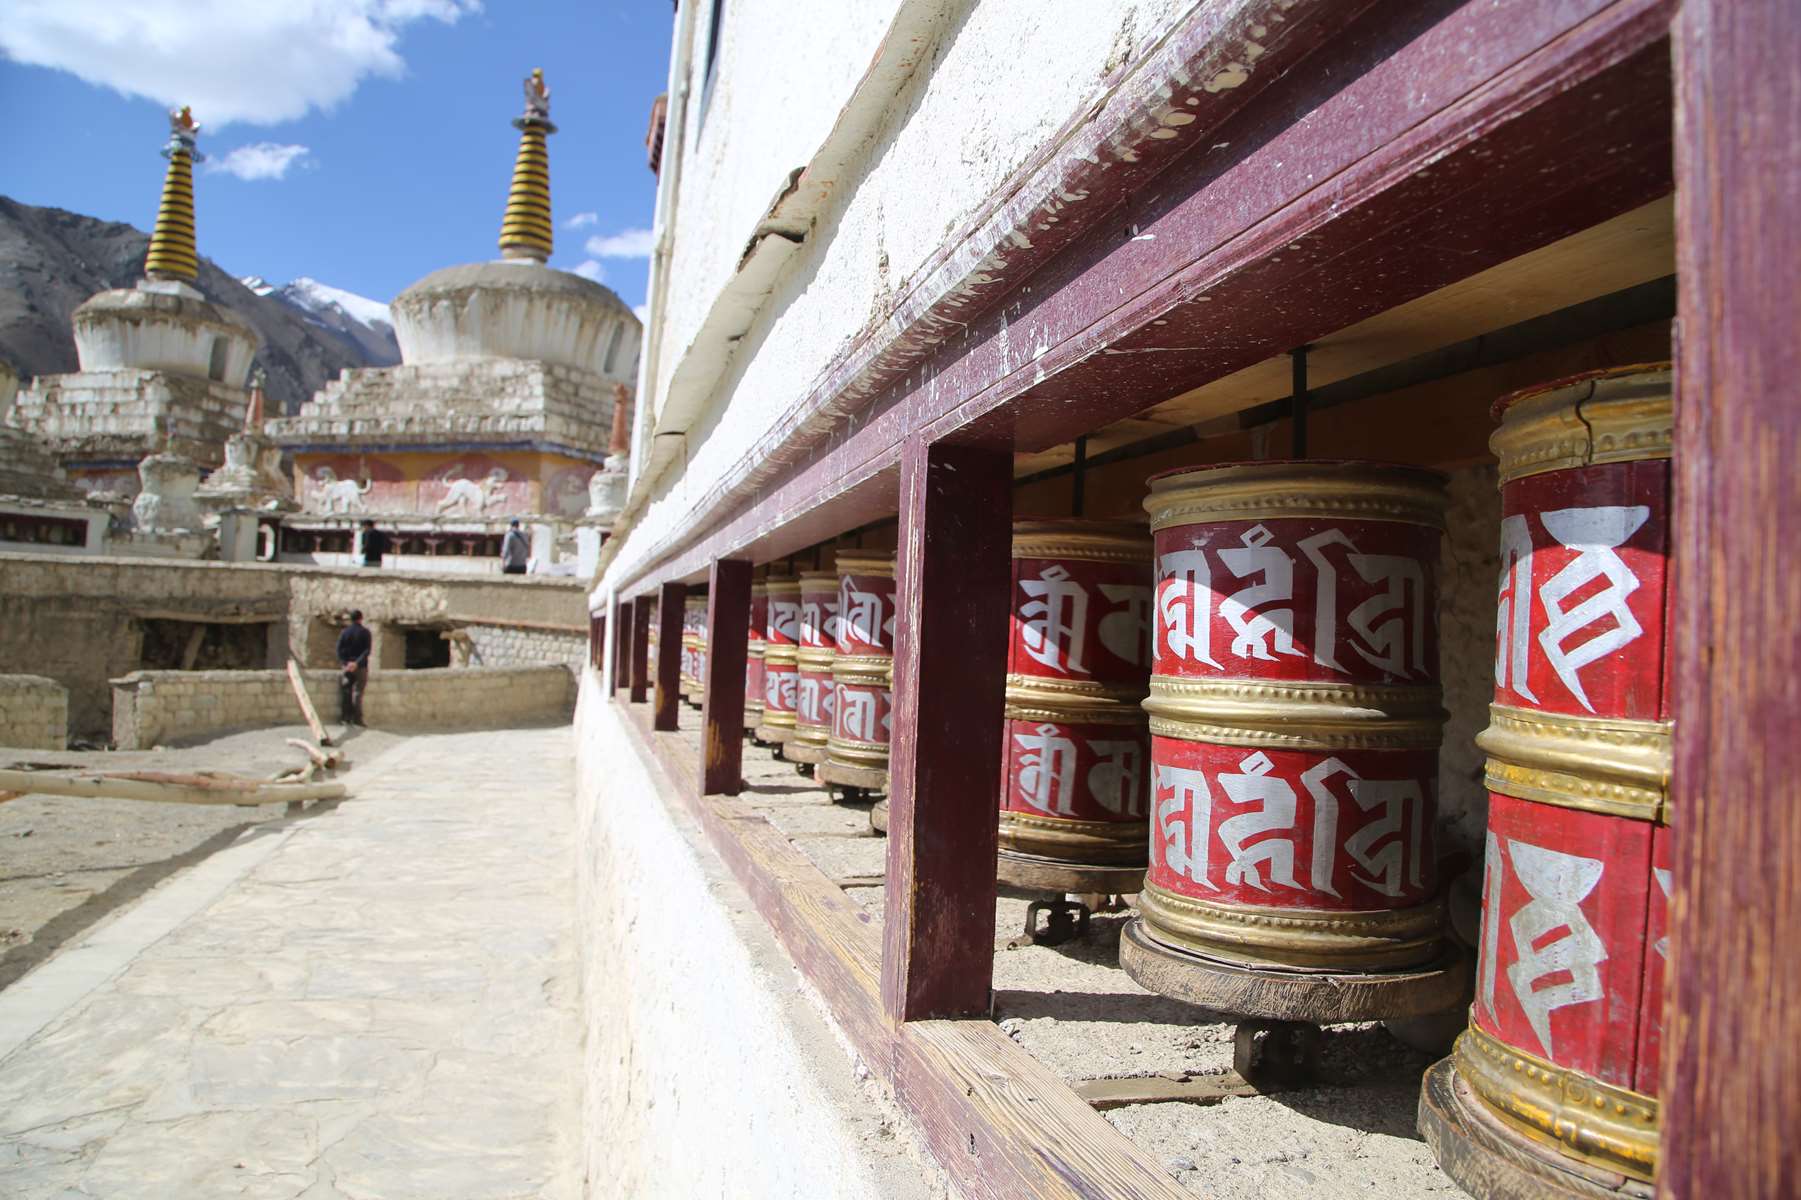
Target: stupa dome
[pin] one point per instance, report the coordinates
(519, 309)
(163, 326)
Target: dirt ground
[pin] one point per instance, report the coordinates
(65, 863)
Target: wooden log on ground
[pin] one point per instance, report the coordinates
(167, 788)
(306, 704)
(324, 760)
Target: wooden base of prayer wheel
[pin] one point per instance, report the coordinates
(1057, 877)
(1295, 721)
(1552, 1090)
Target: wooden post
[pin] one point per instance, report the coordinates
(1731, 1088)
(950, 669)
(669, 655)
(722, 691)
(640, 650)
(622, 643)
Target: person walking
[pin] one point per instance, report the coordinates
(515, 551)
(375, 544)
(354, 645)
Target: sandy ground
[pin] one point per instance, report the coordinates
(1350, 1134)
(65, 863)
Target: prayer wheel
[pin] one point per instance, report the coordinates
(818, 646)
(1076, 748)
(856, 751)
(1295, 721)
(781, 679)
(694, 648)
(753, 656)
(1553, 1087)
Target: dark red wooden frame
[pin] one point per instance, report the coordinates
(722, 702)
(1420, 144)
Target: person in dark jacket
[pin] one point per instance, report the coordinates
(375, 544)
(354, 645)
(515, 551)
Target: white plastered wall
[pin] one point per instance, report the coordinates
(709, 1069)
(1006, 75)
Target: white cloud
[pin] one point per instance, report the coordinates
(642, 312)
(582, 221)
(260, 62)
(259, 160)
(590, 269)
(629, 243)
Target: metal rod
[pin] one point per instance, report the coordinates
(1079, 489)
(1298, 399)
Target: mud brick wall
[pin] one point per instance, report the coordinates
(34, 713)
(82, 621)
(152, 708)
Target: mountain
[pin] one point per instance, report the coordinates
(51, 260)
(364, 321)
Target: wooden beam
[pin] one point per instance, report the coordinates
(298, 683)
(1731, 1084)
(1427, 143)
(640, 664)
(950, 668)
(165, 788)
(669, 654)
(722, 696)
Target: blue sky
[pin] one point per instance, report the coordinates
(364, 143)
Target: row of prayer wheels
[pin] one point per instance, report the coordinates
(1238, 717)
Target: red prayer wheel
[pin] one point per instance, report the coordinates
(856, 751)
(694, 648)
(818, 645)
(1074, 776)
(1295, 723)
(753, 656)
(1554, 1083)
(781, 679)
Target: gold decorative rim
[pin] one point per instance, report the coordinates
(784, 585)
(1090, 541)
(1596, 764)
(780, 656)
(866, 562)
(1068, 714)
(755, 649)
(817, 659)
(1096, 843)
(1303, 489)
(691, 640)
(778, 718)
(1598, 1123)
(862, 755)
(1296, 937)
(811, 735)
(1619, 415)
(820, 582)
(1299, 716)
(1058, 693)
(869, 670)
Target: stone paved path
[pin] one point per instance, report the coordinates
(373, 1002)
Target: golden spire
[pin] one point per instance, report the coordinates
(525, 230)
(172, 254)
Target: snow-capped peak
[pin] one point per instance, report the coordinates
(310, 293)
(316, 298)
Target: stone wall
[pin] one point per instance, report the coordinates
(517, 646)
(81, 621)
(1466, 649)
(151, 708)
(34, 713)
